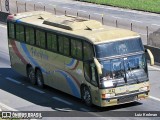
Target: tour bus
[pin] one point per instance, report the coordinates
(100, 64)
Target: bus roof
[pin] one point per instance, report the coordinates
(92, 30)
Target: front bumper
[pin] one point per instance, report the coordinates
(125, 98)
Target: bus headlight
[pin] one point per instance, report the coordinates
(108, 95)
(108, 83)
(144, 88)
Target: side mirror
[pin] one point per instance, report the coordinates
(98, 66)
(150, 56)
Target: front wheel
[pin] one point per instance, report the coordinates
(86, 96)
(39, 78)
(31, 75)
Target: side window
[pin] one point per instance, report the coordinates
(87, 71)
(30, 36)
(51, 41)
(40, 39)
(88, 51)
(64, 45)
(90, 73)
(76, 49)
(20, 32)
(93, 74)
(11, 30)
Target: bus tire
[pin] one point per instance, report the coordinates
(39, 78)
(86, 95)
(31, 75)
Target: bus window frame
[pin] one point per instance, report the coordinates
(90, 70)
(24, 41)
(34, 36)
(41, 30)
(57, 33)
(93, 50)
(81, 48)
(55, 51)
(8, 22)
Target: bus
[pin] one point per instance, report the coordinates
(102, 65)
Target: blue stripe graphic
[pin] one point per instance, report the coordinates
(72, 85)
(31, 59)
(18, 21)
(71, 63)
(75, 91)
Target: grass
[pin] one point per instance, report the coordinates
(144, 5)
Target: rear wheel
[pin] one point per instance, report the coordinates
(86, 96)
(39, 78)
(31, 75)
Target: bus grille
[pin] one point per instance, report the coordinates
(126, 99)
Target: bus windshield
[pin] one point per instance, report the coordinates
(119, 47)
(130, 70)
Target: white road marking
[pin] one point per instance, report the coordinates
(154, 68)
(156, 25)
(66, 102)
(82, 10)
(136, 21)
(35, 89)
(98, 14)
(154, 98)
(116, 17)
(143, 34)
(66, 8)
(13, 80)
(53, 5)
(85, 110)
(4, 26)
(7, 107)
(63, 109)
(39, 2)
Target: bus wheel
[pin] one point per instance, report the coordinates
(39, 78)
(86, 96)
(31, 75)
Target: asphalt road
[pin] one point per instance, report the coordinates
(16, 93)
(124, 18)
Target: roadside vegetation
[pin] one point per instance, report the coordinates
(144, 5)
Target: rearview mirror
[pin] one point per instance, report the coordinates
(150, 56)
(98, 66)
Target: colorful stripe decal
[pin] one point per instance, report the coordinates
(71, 80)
(77, 82)
(73, 64)
(75, 90)
(17, 51)
(31, 59)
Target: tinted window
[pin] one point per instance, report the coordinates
(40, 38)
(64, 46)
(88, 51)
(51, 41)
(119, 48)
(76, 49)
(11, 30)
(87, 71)
(30, 35)
(94, 75)
(19, 32)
